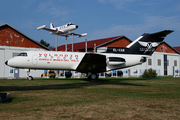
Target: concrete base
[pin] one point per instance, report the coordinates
(4, 97)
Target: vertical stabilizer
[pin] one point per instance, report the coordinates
(51, 26)
(147, 43)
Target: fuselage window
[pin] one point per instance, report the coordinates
(22, 54)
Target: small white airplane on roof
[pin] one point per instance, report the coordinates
(111, 58)
(62, 30)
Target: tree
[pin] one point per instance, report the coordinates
(150, 73)
(44, 43)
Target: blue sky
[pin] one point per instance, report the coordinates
(98, 18)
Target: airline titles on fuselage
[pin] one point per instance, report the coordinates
(58, 57)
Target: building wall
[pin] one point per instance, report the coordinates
(164, 48)
(7, 53)
(13, 42)
(9, 37)
(2, 65)
(154, 65)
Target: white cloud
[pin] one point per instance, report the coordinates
(171, 22)
(150, 24)
(119, 4)
(51, 8)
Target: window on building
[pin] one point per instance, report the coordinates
(167, 62)
(149, 62)
(175, 62)
(159, 62)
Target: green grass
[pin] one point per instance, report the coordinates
(107, 98)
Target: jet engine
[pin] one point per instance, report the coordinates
(115, 61)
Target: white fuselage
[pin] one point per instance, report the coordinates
(65, 28)
(66, 60)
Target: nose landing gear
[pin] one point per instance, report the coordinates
(29, 77)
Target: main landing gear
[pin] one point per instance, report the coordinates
(92, 76)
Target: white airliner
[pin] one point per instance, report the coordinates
(62, 30)
(111, 58)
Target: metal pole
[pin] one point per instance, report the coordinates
(94, 47)
(72, 41)
(86, 44)
(66, 44)
(56, 42)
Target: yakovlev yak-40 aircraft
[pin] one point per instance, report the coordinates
(111, 58)
(62, 30)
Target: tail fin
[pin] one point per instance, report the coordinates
(51, 26)
(147, 43)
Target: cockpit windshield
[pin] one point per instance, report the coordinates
(22, 54)
(70, 24)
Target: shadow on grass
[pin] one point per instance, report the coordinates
(74, 83)
(7, 101)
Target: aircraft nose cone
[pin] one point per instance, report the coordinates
(76, 26)
(6, 62)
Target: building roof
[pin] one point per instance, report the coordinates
(90, 44)
(177, 48)
(7, 25)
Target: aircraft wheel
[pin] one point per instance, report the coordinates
(30, 78)
(93, 76)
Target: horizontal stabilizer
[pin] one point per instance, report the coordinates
(82, 35)
(161, 33)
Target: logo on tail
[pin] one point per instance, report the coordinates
(148, 46)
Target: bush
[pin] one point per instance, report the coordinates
(150, 73)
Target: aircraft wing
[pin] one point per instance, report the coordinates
(50, 30)
(92, 62)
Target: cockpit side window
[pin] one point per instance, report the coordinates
(22, 54)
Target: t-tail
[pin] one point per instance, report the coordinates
(146, 44)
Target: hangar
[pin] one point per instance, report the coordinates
(165, 60)
(13, 42)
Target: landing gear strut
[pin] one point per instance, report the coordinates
(29, 77)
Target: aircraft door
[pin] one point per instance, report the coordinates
(35, 60)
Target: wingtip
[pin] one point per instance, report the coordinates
(41, 27)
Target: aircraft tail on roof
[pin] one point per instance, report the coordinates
(146, 44)
(51, 26)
